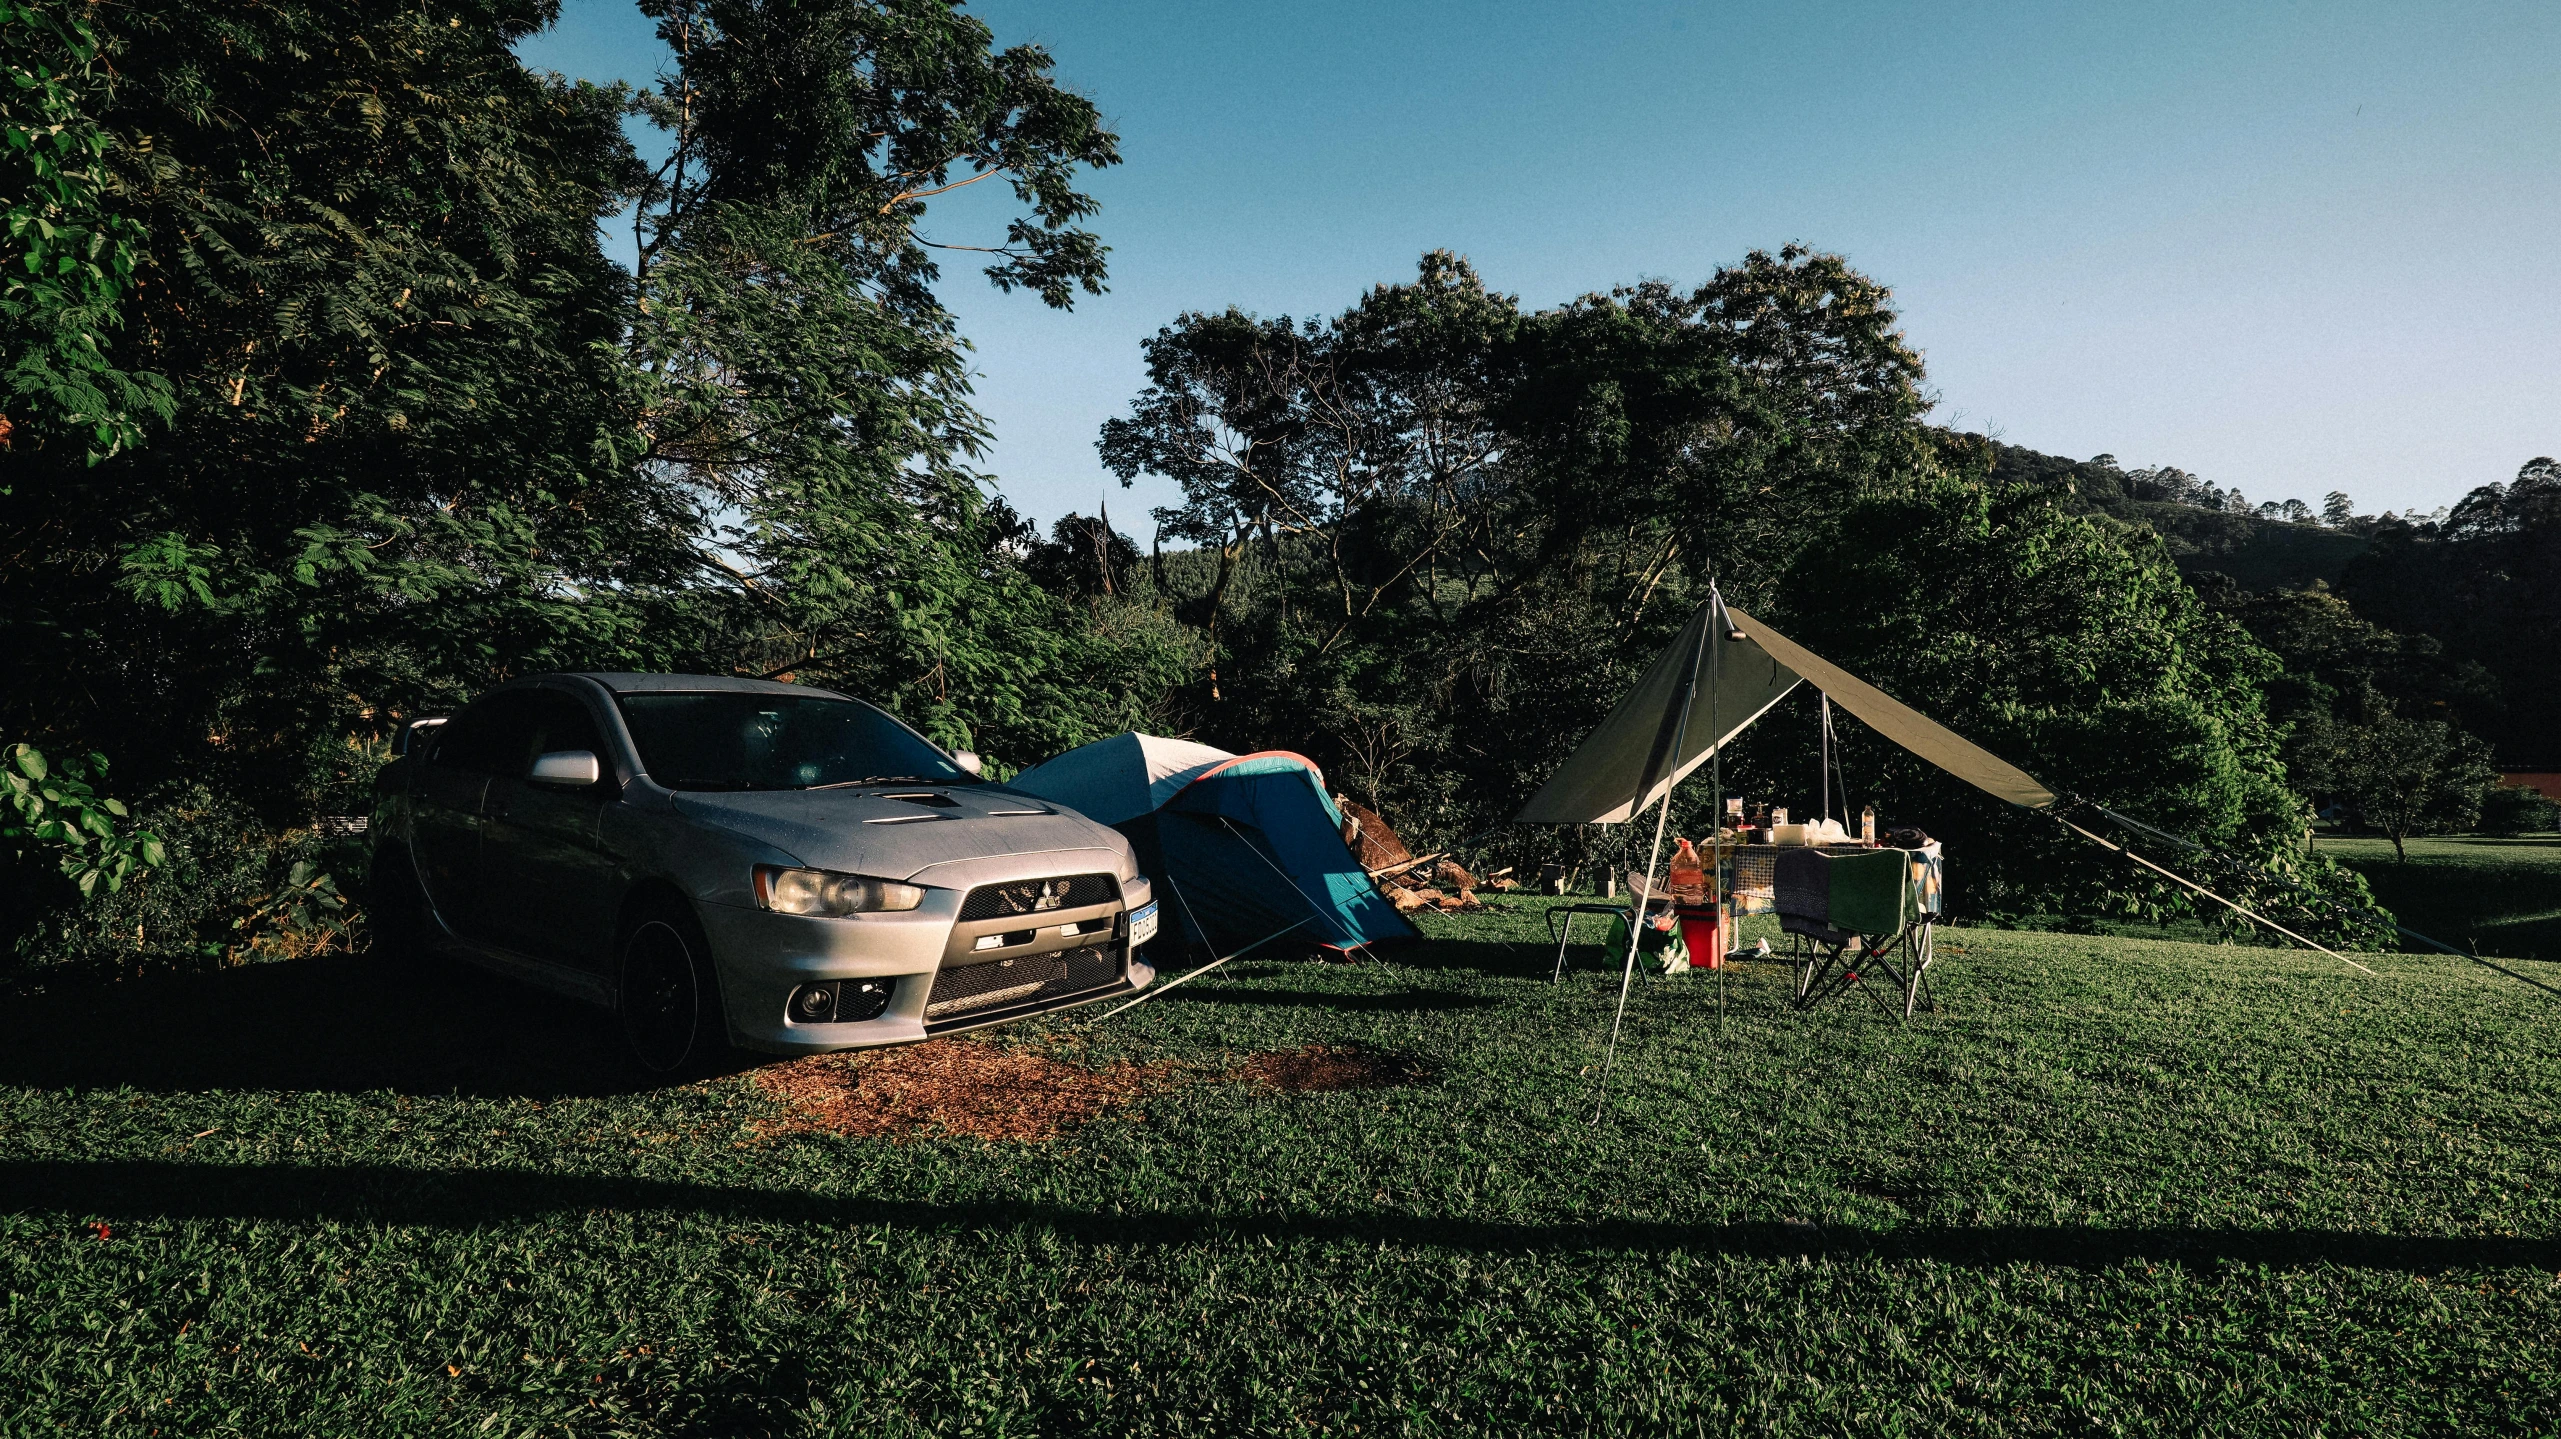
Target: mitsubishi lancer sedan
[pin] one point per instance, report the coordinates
(734, 861)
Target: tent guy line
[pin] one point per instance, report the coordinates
(1204, 969)
(2209, 894)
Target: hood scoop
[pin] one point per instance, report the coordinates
(928, 799)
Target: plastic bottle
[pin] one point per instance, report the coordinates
(1687, 879)
(1867, 825)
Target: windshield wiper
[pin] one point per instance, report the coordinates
(877, 779)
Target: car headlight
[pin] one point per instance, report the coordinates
(816, 891)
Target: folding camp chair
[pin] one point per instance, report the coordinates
(1560, 917)
(1856, 914)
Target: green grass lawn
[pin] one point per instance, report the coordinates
(2503, 894)
(2113, 1186)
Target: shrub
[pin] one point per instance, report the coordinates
(2518, 809)
(230, 889)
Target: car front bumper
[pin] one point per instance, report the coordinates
(762, 956)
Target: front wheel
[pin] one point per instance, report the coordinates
(668, 1000)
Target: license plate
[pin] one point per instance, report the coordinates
(1142, 924)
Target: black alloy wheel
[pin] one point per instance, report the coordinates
(667, 1000)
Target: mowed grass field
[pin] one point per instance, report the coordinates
(2501, 894)
(2114, 1186)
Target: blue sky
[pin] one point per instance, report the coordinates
(2291, 247)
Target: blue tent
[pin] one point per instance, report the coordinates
(1241, 848)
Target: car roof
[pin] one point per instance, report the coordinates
(625, 684)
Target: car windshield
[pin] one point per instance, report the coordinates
(728, 740)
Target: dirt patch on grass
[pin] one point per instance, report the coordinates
(1318, 1068)
(950, 1087)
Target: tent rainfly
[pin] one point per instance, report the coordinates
(1241, 848)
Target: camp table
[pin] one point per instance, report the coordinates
(1849, 909)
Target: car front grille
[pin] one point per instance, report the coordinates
(1038, 896)
(959, 989)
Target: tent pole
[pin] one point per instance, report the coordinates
(1716, 789)
(1825, 763)
(1636, 914)
(1635, 931)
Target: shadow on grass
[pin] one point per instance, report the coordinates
(1404, 1001)
(123, 1193)
(336, 1023)
(1510, 959)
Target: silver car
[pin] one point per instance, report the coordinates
(777, 866)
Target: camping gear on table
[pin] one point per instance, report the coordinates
(1239, 846)
(1854, 912)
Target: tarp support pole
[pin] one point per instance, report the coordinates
(1636, 918)
(1717, 632)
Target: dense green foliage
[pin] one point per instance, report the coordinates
(1439, 535)
(2414, 648)
(2114, 1186)
(51, 810)
(2064, 641)
(66, 253)
(423, 434)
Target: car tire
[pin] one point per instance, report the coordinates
(666, 996)
(396, 907)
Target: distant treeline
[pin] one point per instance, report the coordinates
(2450, 614)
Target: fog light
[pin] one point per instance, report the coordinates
(813, 1004)
(865, 998)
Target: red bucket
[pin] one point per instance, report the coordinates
(1702, 934)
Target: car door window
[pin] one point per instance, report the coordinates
(492, 737)
(562, 723)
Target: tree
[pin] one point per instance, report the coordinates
(425, 435)
(798, 378)
(2069, 644)
(400, 456)
(2337, 510)
(1433, 519)
(2344, 672)
(2413, 777)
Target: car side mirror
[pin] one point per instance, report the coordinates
(415, 734)
(566, 767)
(968, 759)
